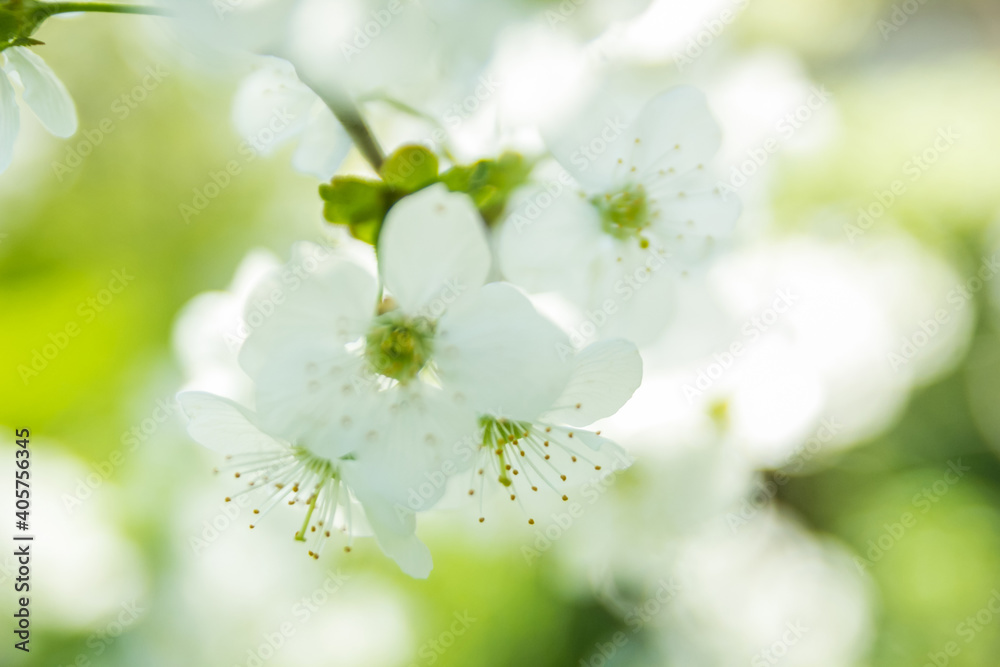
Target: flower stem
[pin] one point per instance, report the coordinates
(349, 115)
(52, 8)
(416, 113)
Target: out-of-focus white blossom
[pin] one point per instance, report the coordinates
(636, 213)
(43, 92)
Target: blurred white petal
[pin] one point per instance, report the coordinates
(605, 376)
(10, 121)
(323, 146)
(43, 92)
(502, 354)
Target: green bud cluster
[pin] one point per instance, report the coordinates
(363, 203)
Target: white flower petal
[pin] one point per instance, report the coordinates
(577, 459)
(323, 145)
(622, 289)
(310, 392)
(676, 131)
(205, 342)
(433, 250)
(693, 226)
(231, 29)
(594, 145)
(224, 426)
(10, 121)
(392, 526)
(271, 105)
(414, 439)
(699, 209)
(632, 295)
(597, 443)
(605, 376)
(329, 49)
(43, 92)
(501, 355)
(209, 330)
(550, 248)
(319, 295)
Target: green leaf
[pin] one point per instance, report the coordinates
(362, 204)
(359, 203)
(410, 168)
(489, 182)
(10, 25)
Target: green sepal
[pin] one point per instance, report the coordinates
(410, 168)
(359, 203)
(10, 27)
(489, 182)
(362, 204)
(19, 20)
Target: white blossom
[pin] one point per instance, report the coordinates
(272, 107)
(280, 471)
(542, 444)
(635, 211)
(43, 92)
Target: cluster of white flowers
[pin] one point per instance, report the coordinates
(362, 397)
(373, 388)
(365, 387)
(638, 200)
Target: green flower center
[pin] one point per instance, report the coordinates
(315, 465)
(624, 214)
(398, 346)
(497, 435)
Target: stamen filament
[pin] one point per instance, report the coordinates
(301, 535)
